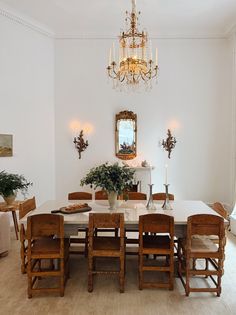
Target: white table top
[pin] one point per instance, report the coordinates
(131, 209)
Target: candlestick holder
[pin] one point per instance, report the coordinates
(166, 205)
(150, 204)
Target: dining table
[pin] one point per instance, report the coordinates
(132, 209)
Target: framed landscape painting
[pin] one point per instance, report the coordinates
(6, 145)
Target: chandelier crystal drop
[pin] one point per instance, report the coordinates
(134, 66)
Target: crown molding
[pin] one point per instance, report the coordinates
(26, 22)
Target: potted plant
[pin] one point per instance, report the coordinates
(113, 178)
(10, 184)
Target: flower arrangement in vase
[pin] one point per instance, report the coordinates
(113, 178)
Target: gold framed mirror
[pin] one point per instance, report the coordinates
(126, 135)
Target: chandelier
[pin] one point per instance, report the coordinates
(134, 65)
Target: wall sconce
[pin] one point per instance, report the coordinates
(169, 143)
(80, 144)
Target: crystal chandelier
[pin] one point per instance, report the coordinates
(135, 65)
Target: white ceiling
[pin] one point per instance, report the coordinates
(104, 18)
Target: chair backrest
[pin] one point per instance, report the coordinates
(26, 206)
(136, 195)
(162, 196)
(106, 221)
(156, 223)
(219, 208)
(205, 224)
(79, 195)
(101, 195)
(44, 225)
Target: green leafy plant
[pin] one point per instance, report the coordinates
(11, 183)
(110, 177)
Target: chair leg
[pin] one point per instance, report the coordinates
(122, 274)
(140, 271)
(86, 244)
(90, 273)
(179, 262)
(29, 279)
(23, 260)
(15, 223)
(171, 275)
(187, 284)
(220, 272)
(62, 272)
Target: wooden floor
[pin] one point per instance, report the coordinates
(106, 299)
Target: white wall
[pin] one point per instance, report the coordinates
(27, 104)
(194, 90)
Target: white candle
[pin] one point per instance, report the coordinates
(150, 175)
(166, 167)
(114, 53)
(156, 56)
(150, 50)
(110, 57)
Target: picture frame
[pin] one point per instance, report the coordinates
(6, 145)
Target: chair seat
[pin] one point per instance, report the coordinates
(200, 245)
(106, 243)
(48, 246)
(156, 241)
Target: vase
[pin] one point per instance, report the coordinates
(112, 197)
(10, 199)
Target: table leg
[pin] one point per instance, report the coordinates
(15, 223)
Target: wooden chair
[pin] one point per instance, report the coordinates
(194, 248)
(80, 195)
(158, 244)
(133, 195)
(106, 246)
(101, 195)
(45, 235)
(24, 208)
(162, 196)
(219, 208)
(80, 240)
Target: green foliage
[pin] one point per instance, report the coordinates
(10, 183)
(110, 177)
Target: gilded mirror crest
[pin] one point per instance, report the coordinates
(126, 135)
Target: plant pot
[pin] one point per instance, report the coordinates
(10, 199)
(112, 198)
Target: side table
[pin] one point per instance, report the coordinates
(13, 208)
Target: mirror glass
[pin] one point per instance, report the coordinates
(126, 135)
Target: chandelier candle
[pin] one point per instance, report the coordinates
(156, 56)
